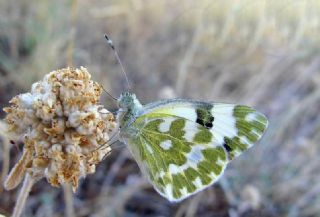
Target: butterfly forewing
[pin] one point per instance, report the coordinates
(184, 147)
(236, 127)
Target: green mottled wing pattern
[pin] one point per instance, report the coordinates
(184, 147)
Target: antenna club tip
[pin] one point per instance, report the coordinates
(109, 41)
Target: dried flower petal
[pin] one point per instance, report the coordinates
(17, 173)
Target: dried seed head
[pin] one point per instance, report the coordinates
(61, 124)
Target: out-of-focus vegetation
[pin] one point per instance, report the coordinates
(261, 53)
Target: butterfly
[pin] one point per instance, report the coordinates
(183, 146)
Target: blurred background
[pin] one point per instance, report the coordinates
(260, 53)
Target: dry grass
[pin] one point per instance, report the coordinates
(261, 53)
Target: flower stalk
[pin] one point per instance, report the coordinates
(23, 195)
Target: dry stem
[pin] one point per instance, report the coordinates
(5, 155)
(68, 198)
(23, 195)
(189, 55)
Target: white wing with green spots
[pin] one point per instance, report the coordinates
(184, 146)
(237, 127)
(176, 166)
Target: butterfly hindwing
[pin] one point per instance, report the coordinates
(177, 165)
(184, 146)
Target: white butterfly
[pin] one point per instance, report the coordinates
(183, 146)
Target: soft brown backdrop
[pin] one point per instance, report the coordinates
(261, 53)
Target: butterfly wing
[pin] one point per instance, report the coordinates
(184, 147)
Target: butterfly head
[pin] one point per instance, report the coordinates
(128, 101)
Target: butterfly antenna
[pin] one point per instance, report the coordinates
(118, 59)
(109, 94)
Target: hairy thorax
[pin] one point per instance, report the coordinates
(130, 108)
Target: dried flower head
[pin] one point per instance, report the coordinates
(61, 125)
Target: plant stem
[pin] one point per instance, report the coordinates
(5, 155)
(68, 198)
(23, 195)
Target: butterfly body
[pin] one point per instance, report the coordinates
(183, 146)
